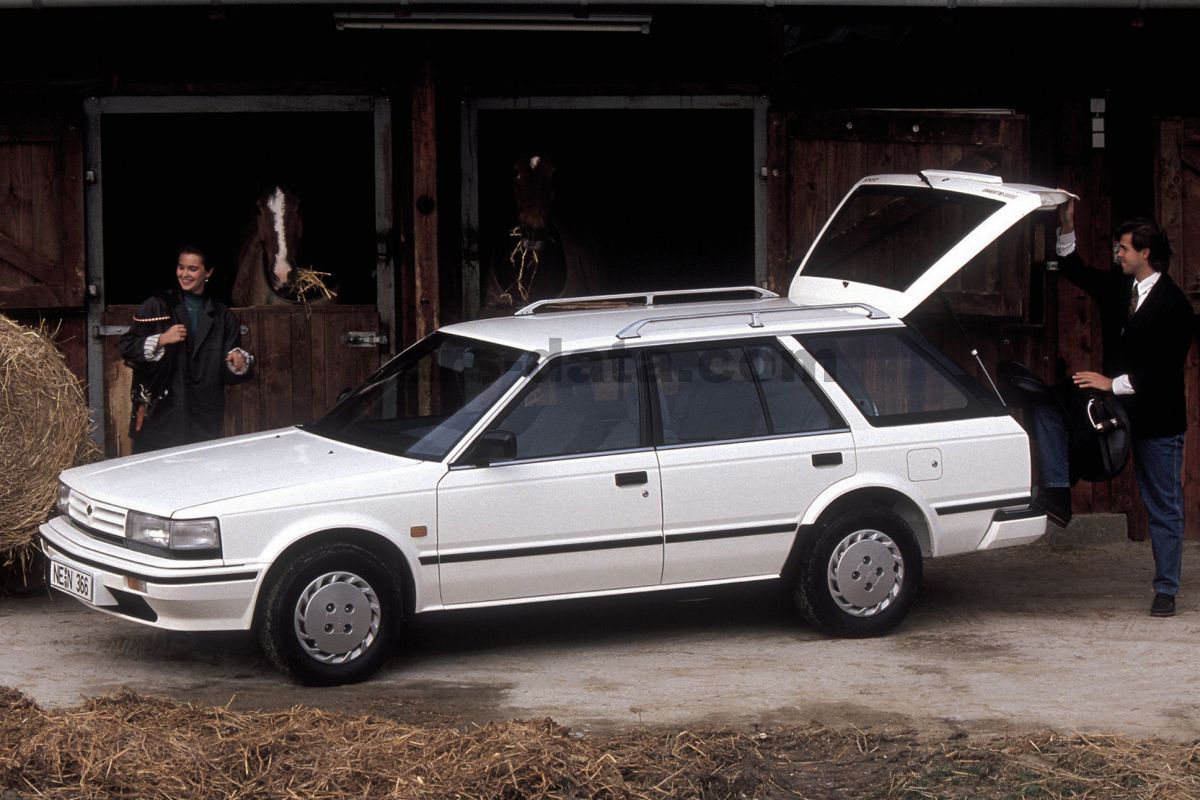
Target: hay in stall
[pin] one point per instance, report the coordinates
(44, 428)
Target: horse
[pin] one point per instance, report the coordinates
(550, 257)
(267, 266)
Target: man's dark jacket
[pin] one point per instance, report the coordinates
(1150, 347)
(189, 381)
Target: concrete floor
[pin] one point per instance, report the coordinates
(1055, 635)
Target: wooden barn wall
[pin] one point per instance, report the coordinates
(41, 211)
(41, 229)
(1177, 179)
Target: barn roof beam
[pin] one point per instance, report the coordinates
(583, 5)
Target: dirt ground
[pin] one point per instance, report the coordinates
(1054, 636)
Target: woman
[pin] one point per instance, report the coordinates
(183, 347)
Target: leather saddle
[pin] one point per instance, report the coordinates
(1097, 427)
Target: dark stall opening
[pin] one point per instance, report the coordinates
(660, 199)
(174, 179)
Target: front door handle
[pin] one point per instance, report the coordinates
(632, 478)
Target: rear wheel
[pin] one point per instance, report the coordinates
(859, 575)
(331, 615)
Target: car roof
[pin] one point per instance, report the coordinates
(547, 328)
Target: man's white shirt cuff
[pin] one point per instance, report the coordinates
(1065, 244)
(1121, 385)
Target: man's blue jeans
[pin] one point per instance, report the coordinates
(1158, 462)
(1053, 445)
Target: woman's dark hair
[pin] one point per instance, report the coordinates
(194, 250)
(1146, 235)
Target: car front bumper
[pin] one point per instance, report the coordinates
(174, 595)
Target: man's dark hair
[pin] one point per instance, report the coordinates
(1146, 235)
(194, 250)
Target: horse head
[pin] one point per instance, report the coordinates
(533, 192)
(279, 230)
(550, 257)
(269, 266)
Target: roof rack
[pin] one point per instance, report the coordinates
(645, 298)
(634, 330)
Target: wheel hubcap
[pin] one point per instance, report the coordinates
(337, 617)
(866, 572)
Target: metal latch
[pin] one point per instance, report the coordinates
(364, 339)
(110, 330)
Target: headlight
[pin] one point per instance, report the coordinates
(62, 503)
(188, 535)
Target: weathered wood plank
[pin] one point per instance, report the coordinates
(71, 226)
(425, 220)
(275, 384)
(301, 372)
(810, 197)
(320, 360)
(779, 179)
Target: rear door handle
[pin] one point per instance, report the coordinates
(826, 459)
(632, 478)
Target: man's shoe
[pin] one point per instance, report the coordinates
(1054, 503)
(1163, 605)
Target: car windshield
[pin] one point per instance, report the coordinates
(423, 401)
(889, 235)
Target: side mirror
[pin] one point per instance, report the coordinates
(493, 446)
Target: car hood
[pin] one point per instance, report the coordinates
(895, 239)
(166, 481)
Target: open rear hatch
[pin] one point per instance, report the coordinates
(895, 239)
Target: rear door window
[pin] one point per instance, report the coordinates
(794, 403)
(725, 392)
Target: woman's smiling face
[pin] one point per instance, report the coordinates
(191, 272)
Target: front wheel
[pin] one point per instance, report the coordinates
(331, 615)
(859, 575)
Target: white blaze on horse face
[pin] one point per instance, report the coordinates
(282, 267)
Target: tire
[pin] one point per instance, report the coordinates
(331, 616)
(860, 574)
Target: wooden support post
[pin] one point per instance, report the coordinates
(425, 303)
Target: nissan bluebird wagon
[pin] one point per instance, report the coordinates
(595, 446)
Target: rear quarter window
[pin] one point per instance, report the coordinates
(896, 378)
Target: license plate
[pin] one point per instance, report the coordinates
(71, 580)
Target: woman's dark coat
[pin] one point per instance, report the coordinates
(186, 388)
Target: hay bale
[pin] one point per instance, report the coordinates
(44, 428)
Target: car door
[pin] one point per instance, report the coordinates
(575, 507)
(746, 441)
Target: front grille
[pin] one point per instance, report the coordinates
(101, 519)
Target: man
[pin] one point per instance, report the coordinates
(1147, 329)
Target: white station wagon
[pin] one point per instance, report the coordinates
(595, 446)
